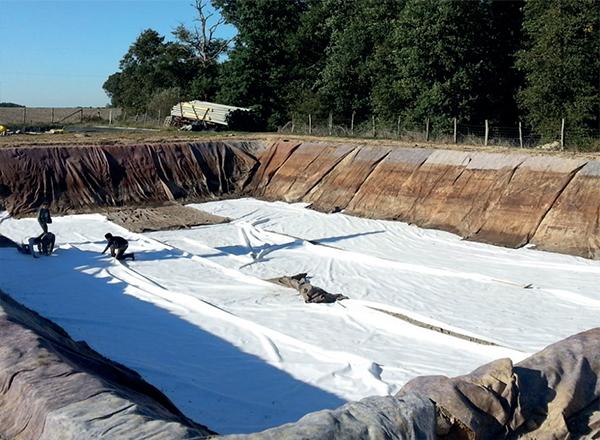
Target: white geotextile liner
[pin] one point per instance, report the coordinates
(193, 315)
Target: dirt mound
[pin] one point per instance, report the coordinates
(161, 218)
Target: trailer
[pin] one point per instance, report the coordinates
(202, 114)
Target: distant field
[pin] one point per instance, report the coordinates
(47, 115)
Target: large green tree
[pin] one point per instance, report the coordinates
(561, 63)
(261, 65)
(357, 28)
(445, 59)
(149, 66)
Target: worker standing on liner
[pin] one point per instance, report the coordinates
(43, 217)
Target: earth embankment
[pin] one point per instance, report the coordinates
(508, 199)
(78, 177)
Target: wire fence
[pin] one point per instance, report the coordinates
(451, 131)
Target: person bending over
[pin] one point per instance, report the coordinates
(44, 242)
(118, 246)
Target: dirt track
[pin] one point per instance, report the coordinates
(171, 136)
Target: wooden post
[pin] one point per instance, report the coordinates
(293, 125)
(80, 116)
(110, 116)
(520, 135)
(373, 121)
(159, 115)
(562, 133)
(487, 132)
(352, 122)
(330, 123)
(24, 115)
(52, 116)
(455, 131)
(309, 123)
(427, 130)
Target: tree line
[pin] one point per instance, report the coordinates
(536, 61)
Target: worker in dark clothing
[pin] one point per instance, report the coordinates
(118, 246)
(43, 217)
(44, 243)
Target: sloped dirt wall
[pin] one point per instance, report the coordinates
(85, 176)
(500, 198)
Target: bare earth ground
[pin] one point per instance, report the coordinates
(130, 137)
(162, 218)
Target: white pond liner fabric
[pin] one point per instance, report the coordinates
(194, 316)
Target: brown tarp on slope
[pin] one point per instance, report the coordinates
(573, 223)
(384, 194)
(52, 387)
(270, 162)
(534, 187)
(553, 394)
(336, 190)
(77, 177)
(307, 165)
(461, 206)
(430, 184)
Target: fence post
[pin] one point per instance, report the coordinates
(398, 128)
(159, 115)
(81, 115)
(562, 133)
(427, 130)
(487, 132)
(292, 125)
(330, 123)
(52, 116)
(110, 116)
(455, 131)
(24, 115)
(309, 123)
(145, 118)
(352, 122)
(373, 121)
(520, 135)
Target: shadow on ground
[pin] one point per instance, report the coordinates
(209, 379)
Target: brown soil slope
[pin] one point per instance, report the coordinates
(78, 177)
(505, 199)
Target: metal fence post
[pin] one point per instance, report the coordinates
(309, 123)
(562, 133)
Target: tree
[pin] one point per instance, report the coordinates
(561, 64)
(357, 28)
(261, 64)
(445, 59)
(150, 64)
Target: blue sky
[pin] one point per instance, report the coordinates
(58, 53)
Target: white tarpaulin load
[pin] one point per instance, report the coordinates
(204, 111)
